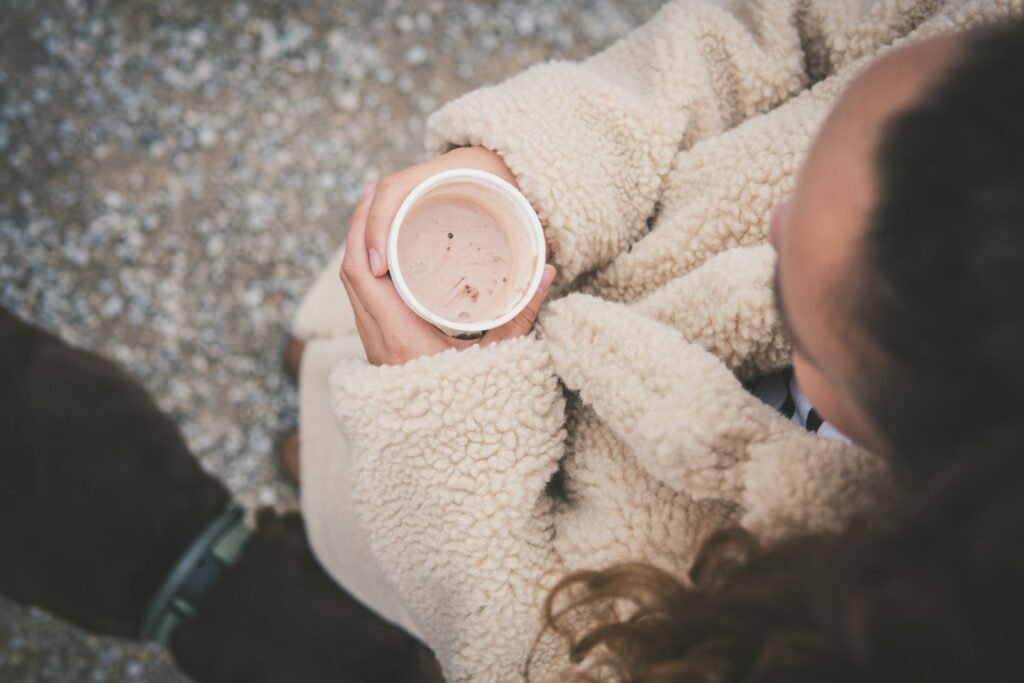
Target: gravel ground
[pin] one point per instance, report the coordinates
(173, 174)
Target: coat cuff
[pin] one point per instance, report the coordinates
(726, 305)
(799, 482)
(683, 414)
(475, 395)
(690, 423)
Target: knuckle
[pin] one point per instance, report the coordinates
(521, 324)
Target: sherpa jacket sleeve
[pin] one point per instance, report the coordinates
(689, 422)
(450, 457)
(591, 142)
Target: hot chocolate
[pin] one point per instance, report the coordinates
(461, 252)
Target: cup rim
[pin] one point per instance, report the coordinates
(477, 176)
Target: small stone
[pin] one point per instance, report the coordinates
(75, 254)
(426, 104)
(526, 23)
(203, 71)
(207, 137)
(327, 181)
(347, 101)
(417, 55)
(114, 200)
(405, 84)
(197, 38)
(253, 297)
(336, 40)
(405, 23)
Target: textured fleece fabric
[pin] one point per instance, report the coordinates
(654, 166)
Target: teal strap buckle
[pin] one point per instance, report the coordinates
(215, 550)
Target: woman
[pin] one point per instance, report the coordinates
(448, 485)
(922, 360)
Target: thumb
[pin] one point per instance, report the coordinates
(522, 323)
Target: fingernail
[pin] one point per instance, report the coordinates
(367, 191)
(547, 277)
(374, 261)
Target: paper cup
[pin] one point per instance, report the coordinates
(529, 236)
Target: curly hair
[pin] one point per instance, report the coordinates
(938, 597)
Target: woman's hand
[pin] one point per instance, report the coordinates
(391, 332)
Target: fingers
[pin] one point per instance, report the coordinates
(391, 192)
(378, 224)
(522, 323)
(384, 321)
(366, 326)
(377, 295)
(350, 262)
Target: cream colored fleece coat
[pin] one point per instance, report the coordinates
(654, 166)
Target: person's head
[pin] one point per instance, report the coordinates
(901, 250)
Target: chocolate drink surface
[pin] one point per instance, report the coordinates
(461, 255)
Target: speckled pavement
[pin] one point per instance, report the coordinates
(172, 174)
